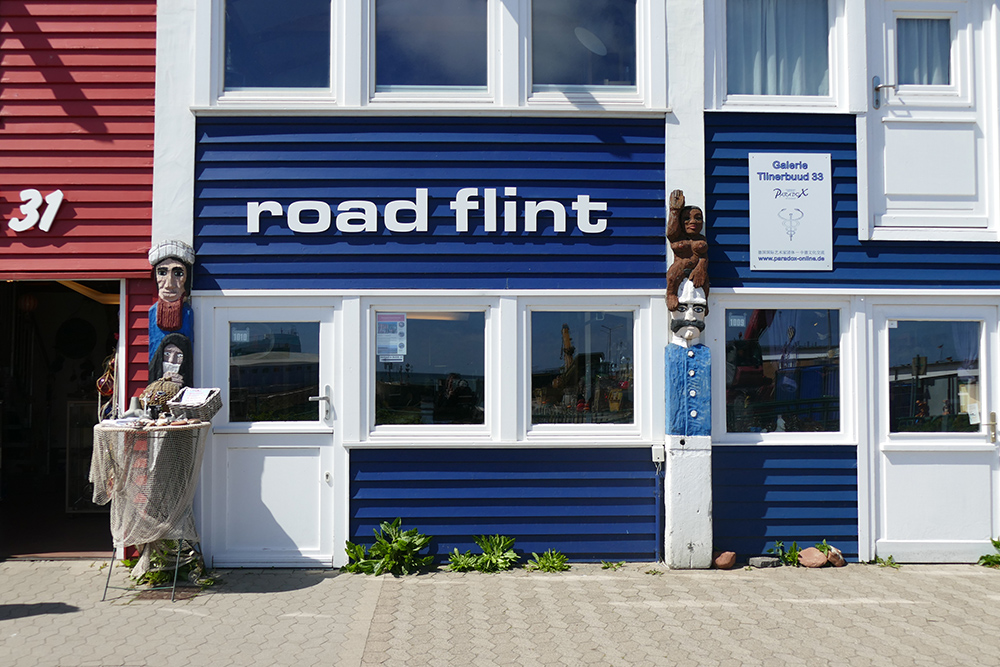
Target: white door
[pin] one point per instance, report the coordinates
(927, 130)
(936, 457)
(272, 469)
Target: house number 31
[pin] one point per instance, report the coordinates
(30, 209)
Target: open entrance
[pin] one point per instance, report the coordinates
(56, 339)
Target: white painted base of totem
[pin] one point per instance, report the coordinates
(688, 500)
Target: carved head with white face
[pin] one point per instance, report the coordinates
(688, 321)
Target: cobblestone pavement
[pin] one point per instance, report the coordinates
(51, 615)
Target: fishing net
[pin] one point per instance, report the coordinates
(149, 475)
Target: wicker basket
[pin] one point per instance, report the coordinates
(204, 411)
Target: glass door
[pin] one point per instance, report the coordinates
(937, 456)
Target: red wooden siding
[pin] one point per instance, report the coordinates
(139, 294)
(76, 114)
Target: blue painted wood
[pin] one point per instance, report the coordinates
(591, 504)
(730, 137)
(618, 161)
(796, 493)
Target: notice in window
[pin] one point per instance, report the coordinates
(791, 212)
(390, 336)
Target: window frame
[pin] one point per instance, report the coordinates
(847, 433)
(838, 54)
(352, 68)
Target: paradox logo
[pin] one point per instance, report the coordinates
(404, 216)
(782, 193)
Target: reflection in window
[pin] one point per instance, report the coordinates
(782, 370)
(583, 43)
(933, 376)
(439, 43)
(777, 47)
(277, 44)
(429, 367)
(923, 51)
(273, 370)
(581, 368)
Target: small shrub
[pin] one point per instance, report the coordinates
(459, 562)
(991, 560)
(396, 551)
(498, 553)
(887, 562)
(789, 556)
(824, 547)
(608, 565)
(550, 561)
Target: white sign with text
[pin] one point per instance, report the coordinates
(791, 212)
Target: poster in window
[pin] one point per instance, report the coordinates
(791, 212)
(390, 336)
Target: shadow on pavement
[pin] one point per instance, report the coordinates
(9, 611)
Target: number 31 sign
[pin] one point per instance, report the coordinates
(30, 209)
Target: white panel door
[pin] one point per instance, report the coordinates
(929, 158)
(936, 459)
(272, 486)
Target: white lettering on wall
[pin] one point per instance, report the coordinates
(31, 210)
(402, 216)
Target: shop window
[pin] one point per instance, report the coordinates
(273, 370)
(934, 376)
(430, 367)
(436, 44)
(582, 367)
(580, 43)
(277, 45)
(782, 370)
(777, 47)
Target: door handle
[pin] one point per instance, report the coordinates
(877, 87)
(325, 397)
(991, 428)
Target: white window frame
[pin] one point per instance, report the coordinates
(844, 59)
(794, 300)
(352, 63)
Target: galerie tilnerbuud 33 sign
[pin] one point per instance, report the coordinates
(791, 212)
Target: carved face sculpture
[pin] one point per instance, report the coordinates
(173, 357)
(694, 221)
(171, 275)
(688, 321)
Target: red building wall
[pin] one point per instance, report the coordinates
(76, 115)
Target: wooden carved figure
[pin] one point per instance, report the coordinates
(690, 248)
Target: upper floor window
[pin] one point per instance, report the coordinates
(441, 43)
(277, 45)
(531, 53)
(777, 47)
(577, 43)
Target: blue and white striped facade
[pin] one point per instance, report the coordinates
(595, 495)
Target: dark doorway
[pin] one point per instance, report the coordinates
(54, 344)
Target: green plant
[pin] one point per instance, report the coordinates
(887, 562)
(991, 560)
(653, 572)
(608, 565)
(396, 551)
(459, 562)
(550, 561)
(163, 563)
(789, 556)
(824, 547)
(498, 553)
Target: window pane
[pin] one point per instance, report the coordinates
(777, 47)
(430, 368)
(923, 51)
(277, 44)
(439, 43)
(782, 370)
(934, 376)
(583, 42)
(273, 370)
(581, 368)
